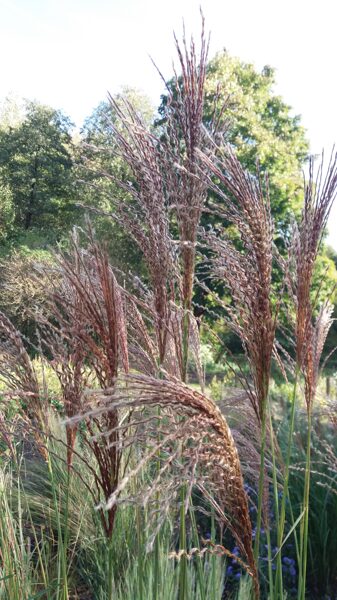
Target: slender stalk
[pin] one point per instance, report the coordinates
(156, 579)
(157, 564)
(270, 570)
(110, 569)
(270, 567)
(213, 558)
(186, 325)
(304, 537)
(66, 517)
(140, 552)
(182, 537)
(62, 578)
(297, 547)
(280, 528)
(300, 562)
(261, 483)
(183, 545)
(200, 574)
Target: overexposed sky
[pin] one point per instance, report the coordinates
(68, 53)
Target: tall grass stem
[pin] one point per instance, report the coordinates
(281, 524)
(306, 499)
(261, 482)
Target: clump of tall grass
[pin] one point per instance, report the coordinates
(165, 181)
(42, 509)
(138, 438)
(321, 570)
(308, 333)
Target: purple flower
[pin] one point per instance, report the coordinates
(292, 571)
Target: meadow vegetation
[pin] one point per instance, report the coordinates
(168, 393)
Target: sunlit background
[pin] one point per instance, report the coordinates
(68, 53)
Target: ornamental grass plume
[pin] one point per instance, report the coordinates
(19, 376)
(68, 362)
(143, 214)
(87, 305)
(319, 195)
(89, 301)
(163, 181)
(183, 135)
(244, 265)
(320, 332)
(196, 449)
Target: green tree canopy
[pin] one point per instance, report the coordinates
(12, 112)
(6, 211)
(97, 127)
(36, 166)
(261, 127)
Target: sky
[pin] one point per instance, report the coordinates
(69, 53)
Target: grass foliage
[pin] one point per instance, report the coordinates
(122, 476)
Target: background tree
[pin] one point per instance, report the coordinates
(6, 211)
(36, 165)
(12, 112)
(37, 200)
(261, 127)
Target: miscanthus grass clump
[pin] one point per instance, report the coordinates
(149, 487)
